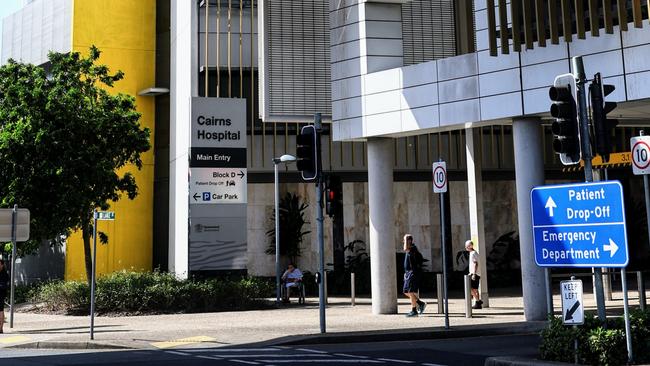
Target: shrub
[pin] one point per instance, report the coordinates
(607, 347)
(597, 345)
(154, 292)
(72, 296)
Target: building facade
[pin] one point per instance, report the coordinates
(401, 84)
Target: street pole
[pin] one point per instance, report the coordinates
(579, 74)
(277, 235)
(319, 219)
(549, 291)
(92, 277)
(443, 248)
(628, 333)
(646, 188)
(14, 224)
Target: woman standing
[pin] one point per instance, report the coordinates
(4, 281)
(412, 275)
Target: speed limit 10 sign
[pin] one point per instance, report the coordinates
(439, 177)
(640, 154)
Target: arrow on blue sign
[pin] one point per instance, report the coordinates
(579, 225)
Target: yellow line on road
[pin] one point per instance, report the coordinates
(182, 342)
(14, 339)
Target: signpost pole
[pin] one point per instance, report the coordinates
(579, 74)
(92, 277)
(646, 188)
(628, 334)
(14, 227)
(440, 184)
(549, 291)
(443, 248)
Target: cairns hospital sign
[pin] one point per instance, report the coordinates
(218, 185)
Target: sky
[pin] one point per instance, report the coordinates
(7, 7)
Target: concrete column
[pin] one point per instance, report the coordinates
(529, 172)
(382, 226)
(183, 85)
(475, 194)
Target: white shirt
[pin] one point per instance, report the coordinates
(296, 274)
(473, 258)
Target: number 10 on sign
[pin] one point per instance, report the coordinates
(640, 154)
(440, 177)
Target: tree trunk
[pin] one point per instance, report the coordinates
(86, 233)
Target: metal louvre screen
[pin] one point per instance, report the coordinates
(428, 30)
(297, 60)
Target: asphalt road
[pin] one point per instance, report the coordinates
(459, 351)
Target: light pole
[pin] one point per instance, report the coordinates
(286, 159)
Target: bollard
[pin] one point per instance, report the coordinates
(641, 285)
(352, 289)
(441, 308)
(468, 297)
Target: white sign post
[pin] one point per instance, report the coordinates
(440, 177)
(640, 154)
(440, 186)
(573, 311)
(97, 216)
(218, 185)
(14, 226)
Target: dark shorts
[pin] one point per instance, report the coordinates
(475, 282)
(3, 298)
(411, 282)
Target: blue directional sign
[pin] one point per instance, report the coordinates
(579, 225)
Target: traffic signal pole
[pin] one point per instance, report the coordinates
(581, 80)
(321, 244)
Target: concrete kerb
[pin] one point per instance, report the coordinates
(328, 338)
(71, 345)
(518, 361)
(465, 331)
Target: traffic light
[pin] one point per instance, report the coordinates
(333, 196)
(603, 127)
(565, 127)
(308, 153)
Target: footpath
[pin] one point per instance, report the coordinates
(289, 324)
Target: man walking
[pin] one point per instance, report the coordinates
(412, 276)
(474, 274)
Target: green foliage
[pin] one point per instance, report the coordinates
(597, 345)
(607, 347)
(292, 219)
(154, 292)
(63, 140)
(557, 341)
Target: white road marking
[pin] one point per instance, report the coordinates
(338, 360)
(394, 360)
(347, 355)
(226, 350)
(276, 355)
(178, 353)
(432, 364)
(310, 350)
(210, 357)
(246, 362)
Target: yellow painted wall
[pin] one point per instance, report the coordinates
(125, 32)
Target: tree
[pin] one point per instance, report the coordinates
(292, 219)
(64, 144)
